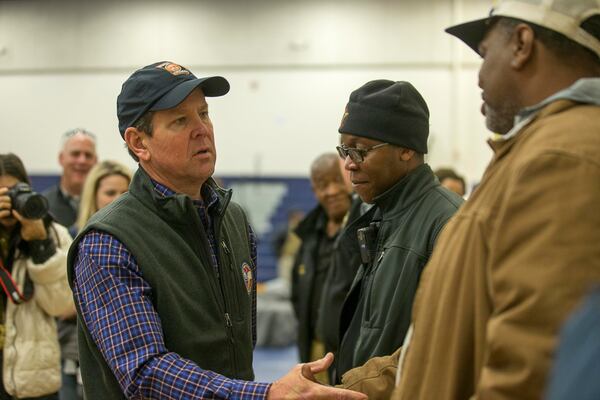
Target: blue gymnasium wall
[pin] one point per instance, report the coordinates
(267, 200)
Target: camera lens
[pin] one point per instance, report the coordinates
(28, 203)
(31, 205)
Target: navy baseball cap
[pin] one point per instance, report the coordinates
(161, 86)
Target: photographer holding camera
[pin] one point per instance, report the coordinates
(33, 277)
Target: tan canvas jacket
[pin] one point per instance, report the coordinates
(508, 269)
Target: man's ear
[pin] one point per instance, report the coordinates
(136, 141)
(522, 45)
(406, 154)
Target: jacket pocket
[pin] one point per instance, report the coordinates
(393, 282)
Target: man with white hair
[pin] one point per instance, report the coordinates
(77, 156)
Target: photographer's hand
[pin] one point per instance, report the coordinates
(5, 204)
(31, 229)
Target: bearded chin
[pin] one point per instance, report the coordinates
(500, 121)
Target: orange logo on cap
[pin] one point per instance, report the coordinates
(173, 69)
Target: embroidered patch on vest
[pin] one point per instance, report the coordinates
(248, 278)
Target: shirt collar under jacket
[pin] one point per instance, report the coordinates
(585, 90)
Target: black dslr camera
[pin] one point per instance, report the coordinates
(28, 203)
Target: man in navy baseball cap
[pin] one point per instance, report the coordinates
(164, 278)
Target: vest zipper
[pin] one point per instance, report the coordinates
(228, 322)
(227, 315)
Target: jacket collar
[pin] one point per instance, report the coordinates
(173, 207)
(584, 91)
(501, 147)
(406, 191)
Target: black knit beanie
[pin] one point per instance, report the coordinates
(392, 112)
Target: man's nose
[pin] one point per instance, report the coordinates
(349, 164)
(332, 189)
(200, 126)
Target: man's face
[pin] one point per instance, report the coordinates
(380, 170)
(331, 191)
(498, 93)
(77, 157)
(181, 150)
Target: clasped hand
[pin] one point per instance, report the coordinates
(300, 383)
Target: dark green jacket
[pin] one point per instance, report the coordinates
(204, 317)
(377, 310)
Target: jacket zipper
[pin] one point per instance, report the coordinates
(227, 315)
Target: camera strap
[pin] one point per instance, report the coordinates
(12, 289)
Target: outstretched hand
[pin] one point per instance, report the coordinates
(300, 383)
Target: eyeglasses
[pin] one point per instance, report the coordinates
(355, 154)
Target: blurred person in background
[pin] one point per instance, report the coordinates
(286, 244)
(451, 180)
(105, 182)
(318, 232)
(577, 363)
(77, 156)
(35, 289)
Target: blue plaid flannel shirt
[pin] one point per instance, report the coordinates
(114, 300)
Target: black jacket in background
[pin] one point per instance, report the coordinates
(60, 207)
(310, 231)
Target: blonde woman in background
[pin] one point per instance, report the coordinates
(106, 181)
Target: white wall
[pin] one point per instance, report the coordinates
(291, 64)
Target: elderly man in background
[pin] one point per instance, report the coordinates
(523, 251)
(77, 156)
(318, 232)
